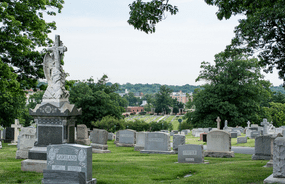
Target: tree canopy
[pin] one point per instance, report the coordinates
(163, 100)
(235, 92)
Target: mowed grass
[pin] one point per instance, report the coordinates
(124, 165)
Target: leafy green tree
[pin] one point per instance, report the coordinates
(235, 92)
(261, 31)
(22, 30)
(12, 97)
(163, 100)
(109, 123)
(275, 113)
(132, 100)
(97, 100)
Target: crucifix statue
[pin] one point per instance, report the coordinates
(218, 123)
(54, 73)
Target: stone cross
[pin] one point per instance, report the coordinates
(226, 123)
(248, 124)
(17, 126)
(265, 126)
(218, 122)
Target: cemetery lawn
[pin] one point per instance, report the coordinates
(126, 166)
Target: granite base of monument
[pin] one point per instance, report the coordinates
(65, 177)
(157, 152)
(269, 164)
(99, 148)
(33, 165)
(124, 145)
(260, 157)
(219, 154)
(138, 148)
(271, 179)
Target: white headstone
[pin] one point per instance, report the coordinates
(17, 126)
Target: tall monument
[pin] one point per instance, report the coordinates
(55, 116)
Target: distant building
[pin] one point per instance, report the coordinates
(135, 109)
(30, 92)
(125, 93)
(138, 94)
(181, 97)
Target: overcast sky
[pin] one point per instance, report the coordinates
(100, 41)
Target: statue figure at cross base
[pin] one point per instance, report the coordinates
(54, 73)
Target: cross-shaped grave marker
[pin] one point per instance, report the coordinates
(265, 126)
(17, 126)
(218, 122)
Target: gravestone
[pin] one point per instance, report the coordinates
(26, 142)
(82, 135)
(99, 140)
(190, 153)
(204, 137)
(233, 134)
(254, 134)
(263, 145)
(218, 122)
(140, 141)
(110, 136)
(241, 140)
(9, 135)
(55, 117)
(278, 175)
(117, 138)
(178, 140)
(67, 159)
(17, 126)
(127, 138)
(158, 143)
(218, 144)
(265, 126)
(226, 124)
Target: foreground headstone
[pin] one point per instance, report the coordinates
(190, 153)
(26, 141)
(82, 135)
(140, 141)
(63, 158)
(127, 138)
(263, 145)
(278, 175)
(218, 144)
(178, 140)
(157, 142)
(99, 140)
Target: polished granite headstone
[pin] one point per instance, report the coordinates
(190, 153)
(157, 143)
(99, 138)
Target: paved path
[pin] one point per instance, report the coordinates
(243, 150)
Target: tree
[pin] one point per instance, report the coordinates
(12, 97)
(163, 100)
(235, 92)
(22, 30)
(97, 100)
(261, 31)
(275, 113)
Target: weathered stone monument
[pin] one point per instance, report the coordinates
(0, 144)
(26, 142)
(278, 175)
(263, 145)
(140, 141)
(17, 126)
(241, 140)
(117, 137)
(55, 116)
(110, 136)
(68, 163)
(178, 140)
(8, 135)
(218, 122)
(127, 138)
(82, 135)
(157, 142)
(99, 140)
(190, 153)
(218, 144)
(265, 126)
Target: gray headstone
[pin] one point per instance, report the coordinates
(279, 157)
(218, 140)
(127, 137)
(140, 141)
(241, 140)
(157, 141)
(190, 153)
(263, 146)
(110, 136)
(233, 134)
(99, 136)
(26, 141)
(9, 134)
(70, 157)
(178, 140)
(82, 135)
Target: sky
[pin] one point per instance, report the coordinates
(100, 41)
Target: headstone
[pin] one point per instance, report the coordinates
(127, 138)
(140, 141)
(248, 124)
(117, 137)
(0, 144)
(157, 142)
(254, 134)
(9, 135)
(201, 136)
(226, 124)
(204, 137)
(175, 131)
(55, 117)
(110, 136)
(17, 126)
(263, 145)
(82, 135)
(233, 134)
(278, 175)
(99, 140)
(219, 144)
(26, 142)
(265, 126)
(178, 140)
(241, 140)
(184, 131)
(218, 122)
(190, 153)
(63, 158)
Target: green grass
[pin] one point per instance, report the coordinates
(124, 165)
